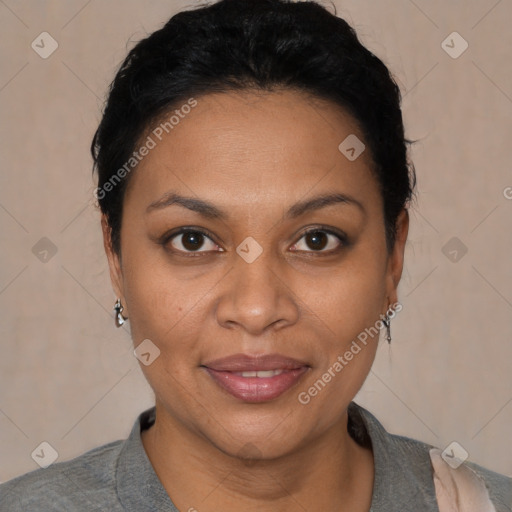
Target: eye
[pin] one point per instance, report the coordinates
(320, 240)
(189, 240)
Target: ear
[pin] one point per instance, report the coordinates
(396, 257)
(114, 262)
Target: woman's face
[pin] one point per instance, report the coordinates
(246, 279)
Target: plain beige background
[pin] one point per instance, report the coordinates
(68, 376)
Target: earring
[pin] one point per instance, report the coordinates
(119, 318)
(387, 322)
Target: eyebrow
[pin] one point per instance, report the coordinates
(211, 211)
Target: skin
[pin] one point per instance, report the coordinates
(254, 155)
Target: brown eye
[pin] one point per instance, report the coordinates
(319, 240)
(316, 240)
(191, 241)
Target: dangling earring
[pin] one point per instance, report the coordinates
(387, 322)
(119, 318)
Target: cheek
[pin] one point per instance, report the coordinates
(166, 311)
(168, 304)
(154, 296)
(163, 309)
(349, 297)
(349, 307)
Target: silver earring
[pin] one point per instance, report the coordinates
(119, 318)
(387, 322)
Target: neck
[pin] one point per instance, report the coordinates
(330, 473)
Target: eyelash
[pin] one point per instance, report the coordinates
(168, 237)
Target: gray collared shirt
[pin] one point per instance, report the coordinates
(119, 476)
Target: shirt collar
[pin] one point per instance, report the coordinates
(138, 486)
(403, 472)
(140, 489)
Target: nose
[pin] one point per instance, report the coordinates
(256, 297)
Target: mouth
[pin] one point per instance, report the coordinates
(256, 378)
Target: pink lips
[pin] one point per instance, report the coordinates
(227, 373)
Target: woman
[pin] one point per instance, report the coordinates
(254, 186)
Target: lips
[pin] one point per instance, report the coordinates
(256, 378)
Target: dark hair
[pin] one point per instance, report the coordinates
(259, 45)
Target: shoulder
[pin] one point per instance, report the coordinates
(498, 486)
(410, 462)
(88, 480)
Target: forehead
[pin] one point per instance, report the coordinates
(250, 147)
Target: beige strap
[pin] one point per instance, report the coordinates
(460, 489)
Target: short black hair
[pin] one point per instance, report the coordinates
(252, 45)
